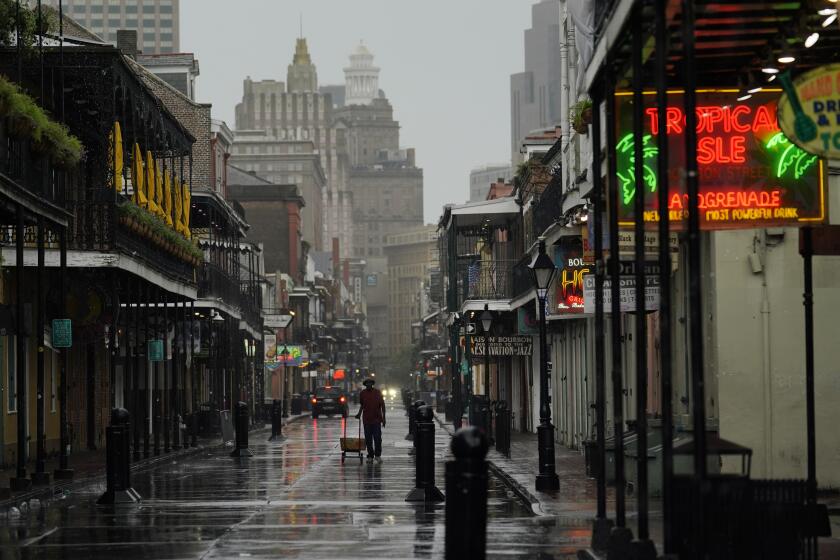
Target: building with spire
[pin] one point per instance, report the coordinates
(274, 115)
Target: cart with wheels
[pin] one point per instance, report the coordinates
(350, 446)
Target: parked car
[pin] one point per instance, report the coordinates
(329, 400)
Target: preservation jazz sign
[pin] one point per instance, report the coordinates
(501, 345)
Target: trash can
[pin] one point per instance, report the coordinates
(297, 404)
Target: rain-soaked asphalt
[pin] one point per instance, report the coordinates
(293, 499)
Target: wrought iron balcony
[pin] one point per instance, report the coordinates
(215, 283)
(485, 279)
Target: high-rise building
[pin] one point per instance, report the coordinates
(297, 111)
(157, 21)
(482, 177)
(386, 184)
(286, 162)
(535, 93)
(411, 257)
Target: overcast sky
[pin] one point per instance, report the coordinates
(446, 67)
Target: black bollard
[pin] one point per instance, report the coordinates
(466, 496)
(118, 488)
(276, 420)
(241, 425)
(412, 422)
(424, 465)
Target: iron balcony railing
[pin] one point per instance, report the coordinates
(27, 168)
(547, 210)
(485, 279)
(603, 11)
(215, 283)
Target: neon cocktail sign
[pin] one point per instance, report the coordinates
(750, 174)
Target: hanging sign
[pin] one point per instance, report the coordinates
(62, 333)
(750, 173)
(501, 345)
(627, 294)
(155, 350)
(270, 345)
(808, 111)
(568, 280)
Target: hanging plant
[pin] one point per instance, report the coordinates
(581, 115)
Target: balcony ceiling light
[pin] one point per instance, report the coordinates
(811, 40)
(829, 20)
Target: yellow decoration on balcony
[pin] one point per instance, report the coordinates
(137, 179)
(187, 198)
(159, 191)
(150, 183)
(167, 199)
(115, 152)
(179, 207)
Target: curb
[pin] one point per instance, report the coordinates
(51, 489)
(521, 492)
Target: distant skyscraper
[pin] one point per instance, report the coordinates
(157, 21)
(535, 93)
(482, 177)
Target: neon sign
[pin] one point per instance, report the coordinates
(751, 174)
(568, 282)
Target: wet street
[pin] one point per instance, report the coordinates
(293, 499)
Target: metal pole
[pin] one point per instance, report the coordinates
(168, 381)
(63, 471)
(138, 401)
(40, 476)
(615, 295)
(664, 274)
(487, 413)
(457, 405)
(195, 386)
(808, 303)
(20, 352)
(694, 256)
(156, 401)
(600, 350)
(641, 317)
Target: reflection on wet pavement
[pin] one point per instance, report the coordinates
(293, 499)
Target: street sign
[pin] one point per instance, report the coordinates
(469, 329)
(62, 333)
(155, 350)
(628, 268)
(627, 294)
(807, 110)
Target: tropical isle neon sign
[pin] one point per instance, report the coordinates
(750, 173)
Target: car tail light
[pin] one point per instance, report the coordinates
(341, 399)
(314, 401)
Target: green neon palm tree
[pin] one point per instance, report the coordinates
(626, 174)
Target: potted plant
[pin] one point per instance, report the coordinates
(581, 115)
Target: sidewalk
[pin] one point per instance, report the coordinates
(89, 465)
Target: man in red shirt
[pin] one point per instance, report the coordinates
(372, 412)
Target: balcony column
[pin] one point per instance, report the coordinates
(147, 370)
(156, 400)
(20, 482)
(40, 476)
(137, 401)
(63, 472)
(167, 399)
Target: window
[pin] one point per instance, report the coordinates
(148, 36)
(114, 9)
(165, 9)
(131, 9)
(96, 9)
(149, 23)
(131, 23)
(113, 23)
(96, 23)
(166, 36)
(149, 8)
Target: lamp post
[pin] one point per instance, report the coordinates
(486, 323)
(283, 320)
(542, 269)
(455, 371)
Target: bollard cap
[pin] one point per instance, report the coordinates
(119, 416)
(425, 414)
(418, 404)
(469, 443)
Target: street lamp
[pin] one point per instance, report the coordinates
(486, 323)
(284, 319)
(542, 269)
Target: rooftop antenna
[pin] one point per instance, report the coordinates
(301, 25)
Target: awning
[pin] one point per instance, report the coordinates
(491, 212)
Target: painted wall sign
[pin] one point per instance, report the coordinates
(751, 175)
(155, 349)
(809, 110)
